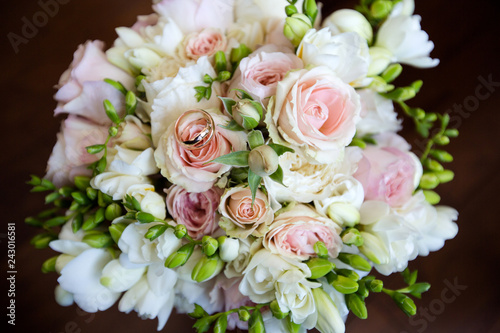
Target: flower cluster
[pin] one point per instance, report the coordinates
(239, 160)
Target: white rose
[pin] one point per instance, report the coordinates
(345, 54)
(377, 114)
(171, 97)
(408, 43)
(143, 251)
(151, 202)
(263, 272)
(153, 296)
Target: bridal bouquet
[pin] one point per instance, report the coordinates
(238, 160)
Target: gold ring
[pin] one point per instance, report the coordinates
(202, 138)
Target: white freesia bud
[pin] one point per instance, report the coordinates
(130, 37)
(151, 202)
(63, 298)
(296, 27)
(228, 248)
(380, 59)
(117, 278)
(263, 161)
(62, 260)
(374, 249)
(329, 319)
(343, 214)
(346, 20)
(143, 58)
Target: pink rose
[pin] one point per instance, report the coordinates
(205, 43)
(197, 211)
(314, 112)
(69, 157)
(190, 168)
(259, 73)
(144, 21)
(388, 171)
(194, 15)
(241, 218)
(294, 233)
(82, 89)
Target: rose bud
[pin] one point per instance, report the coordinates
(263, 161)
(247, 113)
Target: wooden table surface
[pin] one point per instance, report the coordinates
(466, 35)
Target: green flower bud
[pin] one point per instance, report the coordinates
(49, 265)
(116, 231)
(221, 324)
(381, 8)
(276, 310)
(220, 61)
(228, 248)
(352, 236)
(445, 176)
(363, 291)
(113, 211)
(256, 323)
(180, 257)
(432, 165)
(350, 20)
(98, 239)
(263, 161)
(82, 182)
(321, 250)
(429, 181)
(103, 200)
(441, 155)
(238, 53)
(329, 319)
(80, 198)
(144, 217)
(376, 285)
(310, 9)
(405, 303)
(77, 222)
(374, 249)
(343, 214)
(355, 261)
(41, 241)
(209, 245)
(348, 273)
(290, 10)
(345, 285)
(243, 314)
(180, 231)
(356, 305)
(392, 72)
(442, 140)
(451, 132)
(155, 231)
(296, 26)
(207, 268)
(319, 267)
(432, 197)
(247, 113)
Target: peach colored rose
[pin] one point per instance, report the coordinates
(314, 112)
(241, 218)
(190, 168)
(389, 172)
(197, 211)
(259, 73)
(82, 89)
(205, 43)
(69, 157)
(294, 233)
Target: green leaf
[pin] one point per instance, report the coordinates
(253, 182)
(95, 149)
(100, 165)
(228, 104)
(249, 122)
(52, 197)
(111, 111)
(255, 139)
(256, 323)
(238, 53)
(200, 92)
(77, 223)
(35, 181)
(232, 126)
(203, 324)
(49, 265)
(277, 176)
(409, 277)
(117, 85)
(208, 93)
(98, 240)
(280, 149)
(244, 94)
(237, 158)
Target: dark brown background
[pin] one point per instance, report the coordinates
(466, 34)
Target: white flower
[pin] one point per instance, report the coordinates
(153, 296)
(408, 43)
(151, 202)
(345, 54)
(257, 10)
(143, 251)
(329, 318)
(250, 33)
(63, 298)
(81, 277)
(349, 20)
(171, 97)
(404, 7)
(247, 248)
(189, 293)
(377, 114)
(128, 168)
(117, 278)
(229, 249)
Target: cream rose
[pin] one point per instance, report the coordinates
(295, 231)
(314, 112)
(204, 43)
(190, 168)
(241, 218)
(197, 211)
